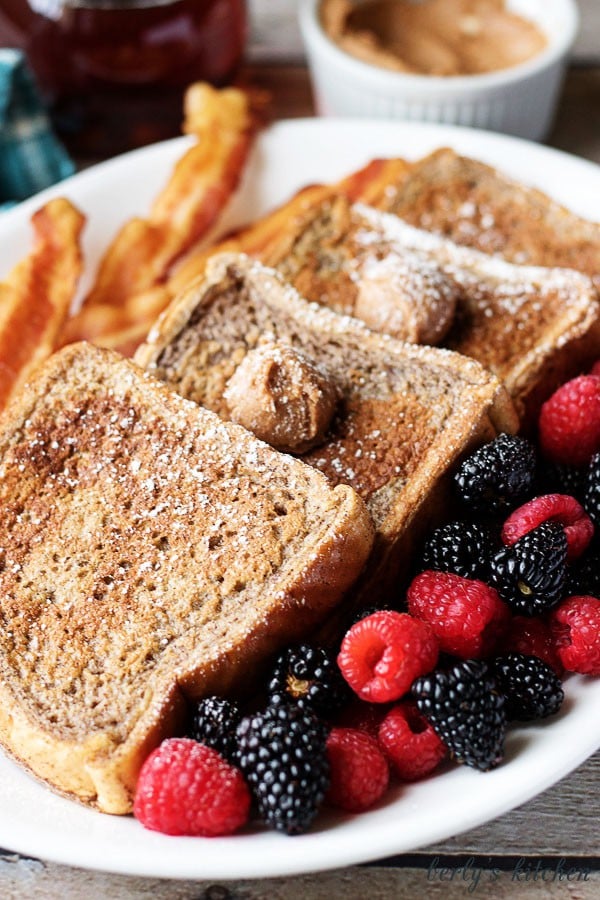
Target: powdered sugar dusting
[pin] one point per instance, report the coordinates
(464, 262)
(512, 318)
(385, 424)
(135, 521)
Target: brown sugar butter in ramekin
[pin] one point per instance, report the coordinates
(433, 37)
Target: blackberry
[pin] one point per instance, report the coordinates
(559, 478)
(466, 711)
(310, 678)
(531, 689)
(214, 723)
(591, 494)
(497, 476)
(461, 548)
(531, 575)
(282, 754)
(583, 575)
(366, 611)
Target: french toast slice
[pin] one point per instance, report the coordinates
(533, 327)
(474, 204)
(406, 413)
(151, 552)
(464, 199)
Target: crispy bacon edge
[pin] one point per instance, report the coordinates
(37, 295)
(143, 252)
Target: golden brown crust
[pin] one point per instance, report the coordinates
(405, 411)
(150, 552)
(480, 207)
(524, 323)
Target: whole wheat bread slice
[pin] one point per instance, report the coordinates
(406, 413)
(150, 552)
(474, 204)
(532, 326)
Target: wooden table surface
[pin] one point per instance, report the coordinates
(550, 847)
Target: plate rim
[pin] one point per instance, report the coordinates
(283, 865)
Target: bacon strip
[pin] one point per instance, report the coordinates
(253, 240)
(367, 185)
(144, 250)
(373, 182)
(151, 260)
(37, 294)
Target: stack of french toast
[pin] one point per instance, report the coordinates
(274, 453)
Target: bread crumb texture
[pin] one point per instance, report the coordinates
(397, 402)
(141, 537)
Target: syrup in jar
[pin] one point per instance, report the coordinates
(114, 71)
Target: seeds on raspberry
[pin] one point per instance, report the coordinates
(569, 422)
(382, 655)
(560, 508)
(358, 769)
(466, 616)
(497, 475)
(530, 575)
(576, 629)
(187, 788)
(467, 712)
(410, 742)
(531, 689)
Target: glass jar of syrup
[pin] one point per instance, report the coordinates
(114, 71)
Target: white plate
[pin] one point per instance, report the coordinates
(36, 822)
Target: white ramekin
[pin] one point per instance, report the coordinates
(520, 100)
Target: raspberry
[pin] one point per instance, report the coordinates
(463, 548)
(497, 475)
(532, 637)
(531, 574)
(467, 712)
(560, 508)
(309, 677)
(466, 616)
(382, 655)
(531, 689)
(362, 716)
(576, 629)
(410, 742)
(358, 769)
(569, 422)
(186, 788)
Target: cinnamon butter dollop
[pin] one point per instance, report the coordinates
(279, 394)
(409, 297)
(432, 37)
